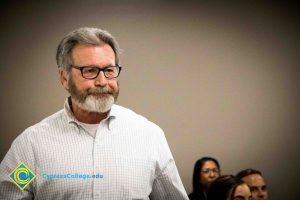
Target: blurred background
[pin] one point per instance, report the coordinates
(221, 79)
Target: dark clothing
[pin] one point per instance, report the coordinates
(196, 196)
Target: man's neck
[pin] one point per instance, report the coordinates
(86, 116)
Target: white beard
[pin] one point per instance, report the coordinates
(99, 104)
(99, 100)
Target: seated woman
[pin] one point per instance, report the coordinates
(229, 188)
(206, 170)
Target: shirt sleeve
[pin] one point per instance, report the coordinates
(20, 151)
(168, 184)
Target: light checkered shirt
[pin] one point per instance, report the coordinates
(129, 155)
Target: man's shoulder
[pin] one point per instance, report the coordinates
(47, 123)
(124, 113)
(54, 119)
(128, 115)
(40, 129)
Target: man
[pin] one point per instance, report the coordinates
(92, 149)
(255, 181)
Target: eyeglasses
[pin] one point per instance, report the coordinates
(207, 171)
(92, 72)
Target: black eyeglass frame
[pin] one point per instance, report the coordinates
(81, 68)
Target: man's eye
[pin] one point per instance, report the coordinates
(90, 70)
(252, 189)
(111, 70)
(264, 188)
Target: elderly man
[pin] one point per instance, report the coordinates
(256, 183)
(92, 149)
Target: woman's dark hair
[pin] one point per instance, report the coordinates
(197, 186)
(222, 186)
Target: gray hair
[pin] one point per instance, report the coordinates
(86, 35)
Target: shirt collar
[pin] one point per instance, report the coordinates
(70, 117)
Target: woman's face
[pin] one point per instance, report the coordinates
(242, 192)
(209, 173)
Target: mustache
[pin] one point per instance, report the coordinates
(103, 90)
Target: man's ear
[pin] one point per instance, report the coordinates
(64, 79)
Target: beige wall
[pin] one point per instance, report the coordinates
(220, 79)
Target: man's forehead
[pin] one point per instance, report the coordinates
(254, 179)
(91, 54)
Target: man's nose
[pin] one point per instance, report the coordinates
(260, 193)
(101, 80)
